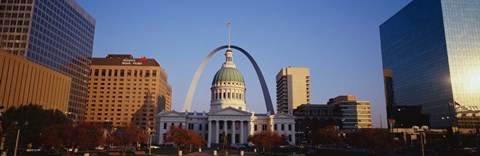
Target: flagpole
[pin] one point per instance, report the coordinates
(228, 26)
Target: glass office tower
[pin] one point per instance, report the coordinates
(57, 34)
(431, 50)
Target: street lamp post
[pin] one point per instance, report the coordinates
(150, 133)
(16, 142)
(18, 137)
(422, 133)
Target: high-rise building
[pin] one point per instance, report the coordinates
(430, 52)
(127, 91)
(23, 82)
(56, 34)
(293, 88)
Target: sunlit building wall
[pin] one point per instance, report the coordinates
(23, 82)
(293, 88)
(127, 91)
(431, 50)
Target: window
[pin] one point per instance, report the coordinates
(199, 126)
(275, 127)
(255, 128)
(283, 127)
(190, 126)
(96, 72)
(289, 127)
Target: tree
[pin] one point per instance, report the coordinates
(82, 135)
(31, 120)
(379, 140)
(126, 136)
(180, 137)
(88, 135)
(327, 135)
(268, 139)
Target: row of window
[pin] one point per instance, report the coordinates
(120, 114)
(121, 79)
(15, 8)
(120, 101)
(123, 73)
(113, 96)
(121, 84)
(126, 88)
(17, 1)
(227, 95)
(229, 126)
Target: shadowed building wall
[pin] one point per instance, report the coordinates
(23, 82)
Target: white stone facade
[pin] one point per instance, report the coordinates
(211, 126)
(227, 94)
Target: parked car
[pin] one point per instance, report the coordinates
(154, 147)
(238, 145)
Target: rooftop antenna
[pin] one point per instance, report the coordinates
(228, 27)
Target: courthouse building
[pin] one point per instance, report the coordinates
(228, 114)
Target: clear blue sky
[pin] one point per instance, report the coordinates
(337, 39)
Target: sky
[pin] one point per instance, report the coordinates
(338, 40)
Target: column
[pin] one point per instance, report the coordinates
(217, 127)
(225, 127)
(159, 132)
(293, 134)
(209, 133)
(233, 132)
(249, 128)
(241, 132)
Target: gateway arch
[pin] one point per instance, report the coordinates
(193, 85)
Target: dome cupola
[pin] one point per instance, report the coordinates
(228, 86)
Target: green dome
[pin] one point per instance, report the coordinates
(228, 74)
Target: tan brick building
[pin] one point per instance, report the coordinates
(293, 88)
(124, 90)
(23, 82)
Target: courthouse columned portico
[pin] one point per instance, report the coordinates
(232, 122)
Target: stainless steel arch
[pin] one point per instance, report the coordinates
(193, 85)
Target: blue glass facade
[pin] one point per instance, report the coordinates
(431, 50)
(57, 34)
